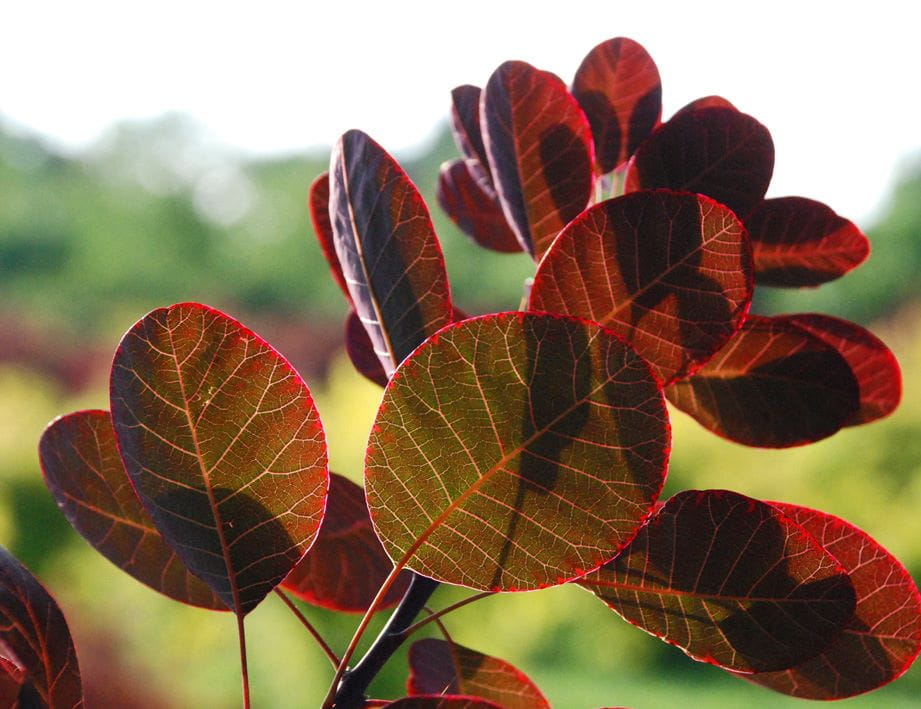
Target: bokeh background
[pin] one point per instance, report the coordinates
(158, 154)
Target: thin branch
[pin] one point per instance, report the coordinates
(441, 626)
(244, 672)
(327, 650)
(444, 611)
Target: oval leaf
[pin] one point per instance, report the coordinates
(515, 451)
(731, 581)
(387, 247)
(35, 634)
(347, 565)
(540, 152)
(874, 366)
(799, 242)
(669, 272)
(441, 667)
(224, 446)
(619, 89)
(439, 701)
(705, 102)
(719, 152)
(86, 476)
(772, 385)
(473, 205)
(884, 636)
(361, 353)
(465, 125)
(318, 201)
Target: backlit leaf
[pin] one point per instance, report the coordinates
(465, 125)
(436, 701)
(883, 637)
(719, 152)
(705, 102)
(318, 201)
(515, 451)
(84, 472)
(224, 446)
(619, 89)
(441, 667)
(731, 581)
(34, 635)
(387, 248)
(360, 349)
(540, 152)
(669, 272)
(11, 680)
(772, 385)
(347, 564)
(800, 242)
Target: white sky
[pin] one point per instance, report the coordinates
(835, 82)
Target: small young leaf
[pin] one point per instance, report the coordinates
(670, 272)
(465, 125)
(515, 451)
(387, 247)
(884, 636)
(540, 152)
(442, 667)
(360, 349)
(705, 102)
(772, 385)
(731, 581)
(619, 89)
(224, 446)
(720, 152)
(34, 635)
(347, 564)
(443, 701)
(799, 242)
(318, 201)
(86, 476)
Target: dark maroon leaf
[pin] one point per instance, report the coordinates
(883, 637)
(540, 152)
(11, 679)
(731, 581)
(465, 124)
(442, 667)
(347, 564)
(35, 637)
(705, 102)
(84, 472)
(772, 385)
(800, 242)
(874, 366)
(670, 272)
(472, 204)
(387, 247)
(515, 451)
(360, 350)
(224, 446)
(619, 89)
(719, 152)
(436, 701)
(318, 201)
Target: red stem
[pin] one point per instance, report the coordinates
(244, 671)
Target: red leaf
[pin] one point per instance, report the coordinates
(11, 680)
(360, 350)
(472, 203)
(465, 125)
(800, 242)
(35, 637)
(705, 102)
(884, 636)
(387, 247)
(772, 385)
(347, 564)
(719, 152)
(731, 581)
(874, 366)
(439, 701)
(82, 468)
(318, 201)
(439, 667)
(224, 446)
(515, 451)
(619, 89)
(669, 272)
(540, 152)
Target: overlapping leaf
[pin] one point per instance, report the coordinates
(465, 125)
(705, 102)
(224, 446)
(800, 242)
(347, 564)
(471, 201)
(884, 636)
(360, 349)
(86, 476)
(719, 152)
(387, 248)
(540, 152)
(34, 634)
(11, 681)
(731, 581)
(668, 271)
(436, 701)
(619, 89)
(318, 202)
(515, 451)
(772, 385)
(442, 667)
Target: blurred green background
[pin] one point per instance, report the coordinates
(154, 214)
